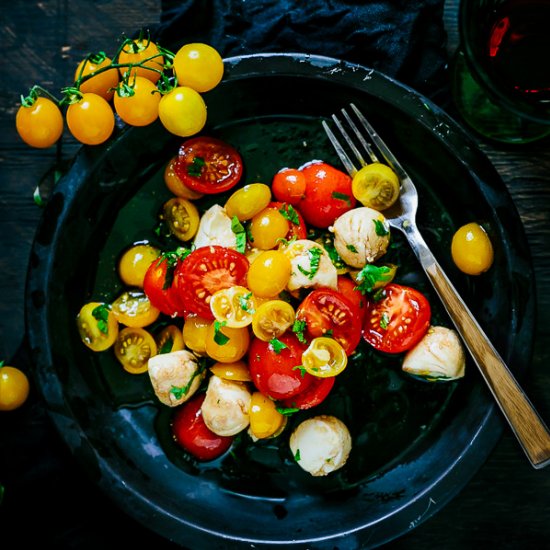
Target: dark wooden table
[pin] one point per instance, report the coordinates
(506, 504)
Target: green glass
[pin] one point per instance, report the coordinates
(500, 73)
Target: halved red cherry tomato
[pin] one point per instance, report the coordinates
(191, 433)
(205, 271)
(347, 287)
(297, 225)
(328, 312)
(208, 165)
(158, 285)
(276, 366)
(328, 194)
(397, 321)
(312, 396)
(289, 185)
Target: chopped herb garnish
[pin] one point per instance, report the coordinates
(351, 248)
(290, 214)
(342, 196)
(301, 368)
(328, 245)
(370, 275)
(167, 346)
(298, 328)
(380, 294)
(314, 254)
(179, 391)
(101, 314)
(240, 234)
(329, 333)
(195, 168)
(380, 228)
(244, 302)
(297, 455)
(287, 411)
(219, 337)
(384, 320)
(284, 242)
(277, 345)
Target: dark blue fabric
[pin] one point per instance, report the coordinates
(404, 39)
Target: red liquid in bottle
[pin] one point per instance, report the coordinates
(518, 49)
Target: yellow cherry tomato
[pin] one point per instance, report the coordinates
(41, 124)
(91, 119)
(226, 344)
(97, 326)
(237, 371)
(134, 262)
(233, 306)
(198, 66)
(141, 107)
(248, 201)
(134, 309)
(194, 333)
(169, 339)
(175, 185)
(133, 349)
(265, 420)
(269, 273)
(182, 218)
(324, 357)
(376, 185)
(138, 52)
(272, 319)
(182, 111)
(14, 387)
(102, 84)
(267, 228)
(471, 249)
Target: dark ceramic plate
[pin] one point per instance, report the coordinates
(415, 444)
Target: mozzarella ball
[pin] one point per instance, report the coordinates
(311, 266)
(321, 444)
(438, 356)
(175, 376)
(361, 236)
(215, 229)
(226, 407)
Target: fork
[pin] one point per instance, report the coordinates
(528, 427)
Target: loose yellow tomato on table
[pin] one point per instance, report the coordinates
(471, 249)
(40, 124)
(14, 387)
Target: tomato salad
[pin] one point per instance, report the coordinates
(267, 298)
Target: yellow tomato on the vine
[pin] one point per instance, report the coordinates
(91, 119)
(198, 66)
(102, 84)
(182, 111)
(14, 387)
(41, 124)
(147, 54)
(142, 106)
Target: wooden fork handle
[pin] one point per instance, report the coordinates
(528, 427)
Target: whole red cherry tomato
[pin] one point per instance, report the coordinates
(191, 432)
(277, 370)
(289, 185)
(312, 396)
(328, 194)
(397, 321)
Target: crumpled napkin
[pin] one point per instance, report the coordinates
(404, 39)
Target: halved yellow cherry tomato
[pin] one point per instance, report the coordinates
(237, 371)
(472, 250)
(267, 228)
(226, 344)
(182, 217)
(324, 357)
(169, 339)
(14, 387)
(102, 84)
(269, 273)
(272, 319)
(234, 305)
(139, 108)
(376, 185)
(198, 66)
(194, 333)
(265, 420)
(175, 185)
(133, 349)
(248, 201)
(182, 111)
(135, 262)
(134, 309)
(97, 326)
(41, 124)
(91, 119)
(138, 52)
